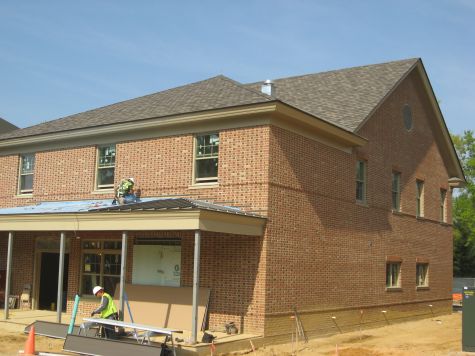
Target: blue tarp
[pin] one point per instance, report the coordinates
(62, 207)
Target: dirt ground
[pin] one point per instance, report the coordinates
(438, 336)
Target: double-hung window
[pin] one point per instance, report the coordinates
(396, 191)
(419, 198)
(27, 169)
(393, 275)
(100, 265)
(105, 167)
(206, 158)
(443, 202)
(361, 181)
(422, 274)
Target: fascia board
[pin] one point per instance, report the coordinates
(136, 221)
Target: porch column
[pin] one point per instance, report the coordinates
(123, 263)
(59, 300)
(196, 286)
(9, 273)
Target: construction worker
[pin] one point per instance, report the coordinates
(107, 310)
(124, 192)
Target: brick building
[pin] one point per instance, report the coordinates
(329, 193)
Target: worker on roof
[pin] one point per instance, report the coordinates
(124, 192)
(107, 310)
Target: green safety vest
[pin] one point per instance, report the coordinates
(110, 309)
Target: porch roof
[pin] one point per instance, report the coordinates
(147, 214)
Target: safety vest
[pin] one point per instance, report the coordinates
(110, 309)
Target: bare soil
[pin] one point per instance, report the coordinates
(438, 336)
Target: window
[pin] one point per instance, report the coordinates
(105, 167)
(100, 265)
(206, 158)
(422, 275)
(393, 275)
(419, 198)
(27, 169)
(396, 191)
(361, 181)
(407, 116)
(443, 199)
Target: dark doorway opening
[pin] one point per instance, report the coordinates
(49, 280)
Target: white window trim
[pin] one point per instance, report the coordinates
(209, 181)
(105, 187)
(420, 198)
(426, 275)
(25, 192)
(389, 283)
(398, 191)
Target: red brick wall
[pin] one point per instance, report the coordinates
(321, 251)
(163, 166)
(325, 251)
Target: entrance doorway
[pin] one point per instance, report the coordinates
(48, 292)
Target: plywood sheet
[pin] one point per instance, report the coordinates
(167, 307)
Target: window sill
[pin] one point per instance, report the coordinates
(104, 191)
(362, 203)
(422, 288)
(393, 289)
(24, 196)
(203, 185)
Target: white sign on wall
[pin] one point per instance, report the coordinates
(158, 265)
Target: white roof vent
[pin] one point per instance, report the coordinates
(268, 87)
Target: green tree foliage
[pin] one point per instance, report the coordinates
(464, 209)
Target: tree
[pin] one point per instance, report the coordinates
(464, 209)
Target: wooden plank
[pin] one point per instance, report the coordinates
(103, 347)
(166, 307)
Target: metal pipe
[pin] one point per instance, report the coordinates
(59, 300)
(196, 286)
(123, 263)
(9, 274)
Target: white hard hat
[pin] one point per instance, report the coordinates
(132, 180)
(97, 289)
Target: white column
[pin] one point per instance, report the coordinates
(196, 286)
(9, 273)
(59, 300)
(123, 265)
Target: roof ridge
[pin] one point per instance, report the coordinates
(244, 86)
(415, 59)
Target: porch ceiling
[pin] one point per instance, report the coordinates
(150, 214)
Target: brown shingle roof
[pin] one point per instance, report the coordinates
(6, 126)
(214, 93)
(343, 97)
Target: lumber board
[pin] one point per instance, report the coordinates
(102, 347)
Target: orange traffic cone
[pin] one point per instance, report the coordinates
(30, 342)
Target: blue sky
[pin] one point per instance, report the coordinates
(62, 57)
